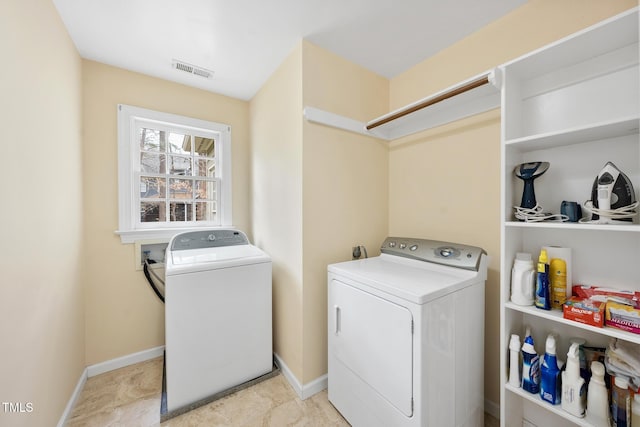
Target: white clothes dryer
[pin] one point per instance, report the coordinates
(406, 335)
(217, 314)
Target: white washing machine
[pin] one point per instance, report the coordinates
(406, 335)
(217, 314)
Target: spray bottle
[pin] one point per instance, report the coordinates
(573, 386)
(543, 298)
(550, 373)
(530, 365)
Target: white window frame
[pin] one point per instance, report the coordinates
(130, 228)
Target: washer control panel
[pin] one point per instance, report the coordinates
(446, 253)
(212, 238)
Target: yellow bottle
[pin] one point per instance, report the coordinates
(558, 282)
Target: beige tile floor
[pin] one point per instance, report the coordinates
(130, 397)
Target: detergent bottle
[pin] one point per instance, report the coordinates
(523, 280)
(598, 397)
(530, 365)
(543, 297)
(550, 373)
(514, 361)
(620, 402)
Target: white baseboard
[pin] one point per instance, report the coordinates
(303, 391)
(74, 399)
(121, 362)
(100, 368)
(492, 408)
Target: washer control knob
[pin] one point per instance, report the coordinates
(392, 244)
(413, 247)
(446, 252)
(211, 237)
(403, 245)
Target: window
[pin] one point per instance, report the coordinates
(174, 173)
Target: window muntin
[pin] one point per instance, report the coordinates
(176, 175)
(178, 172)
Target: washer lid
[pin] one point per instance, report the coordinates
(415, 281)
(188, 261)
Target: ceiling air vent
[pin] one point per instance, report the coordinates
(192, 69)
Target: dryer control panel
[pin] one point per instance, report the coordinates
(435, 251)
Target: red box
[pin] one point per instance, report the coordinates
(622, 316)
(584, 311)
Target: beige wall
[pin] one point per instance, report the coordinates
(123, 315)
(345, 185)
(316, 191)
(304, 192)
(450, 175)
(276, 189)
(41, 293)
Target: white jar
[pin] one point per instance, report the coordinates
(523, 280)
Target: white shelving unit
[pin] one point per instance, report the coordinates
(576, 105)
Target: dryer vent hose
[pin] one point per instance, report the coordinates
(148, 273)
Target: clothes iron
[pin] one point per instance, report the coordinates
(612, 197)
(528, 172)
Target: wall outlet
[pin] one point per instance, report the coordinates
(355, 252)
(155, 249)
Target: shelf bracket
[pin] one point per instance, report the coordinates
(316, 115)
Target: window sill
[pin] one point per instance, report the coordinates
(156, 234)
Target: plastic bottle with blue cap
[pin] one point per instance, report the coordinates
(550, 390)
(543, 297)
(530, 365)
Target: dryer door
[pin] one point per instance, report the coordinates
(373, 337)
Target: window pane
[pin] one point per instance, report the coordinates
(152, 212)
(205, 189)
(153, 163)
(179, 165)
(204, 146)
(180, 189)
(151, 139)
(206, 211)
(180, 211)
(179, 143)
(205, 167)
(152, 188)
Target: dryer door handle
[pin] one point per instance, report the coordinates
(336, 309)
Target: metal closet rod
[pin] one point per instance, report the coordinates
(426, 103)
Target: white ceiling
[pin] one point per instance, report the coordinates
(244, 41)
